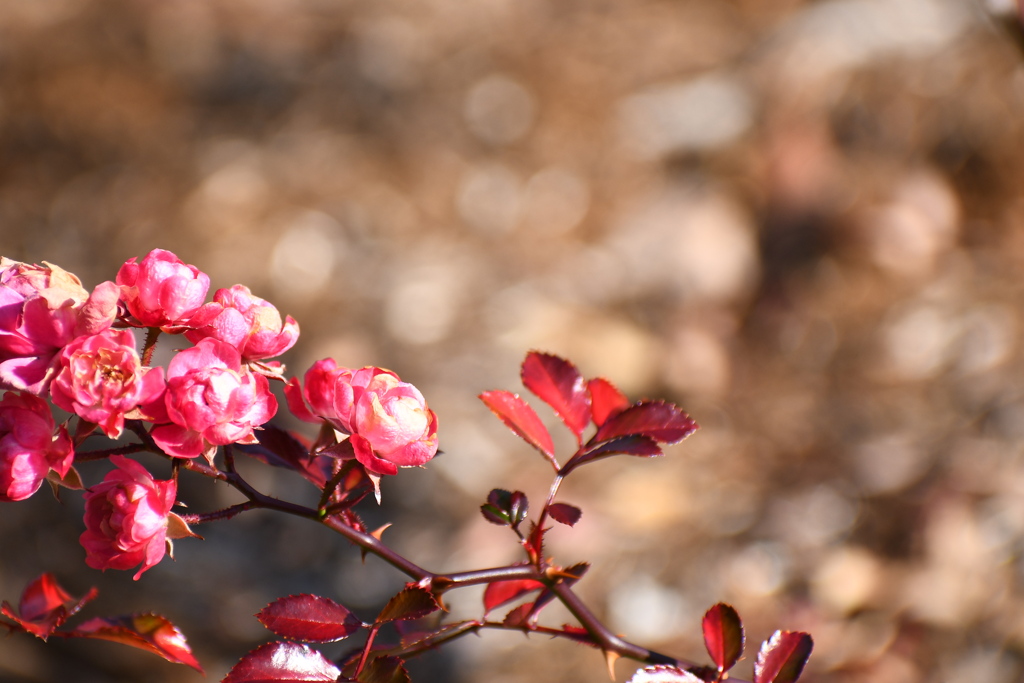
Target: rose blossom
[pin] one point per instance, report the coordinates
(29, 448)
(101, 379)
(211, 400)
(388, 419)
(162, 290)
(42, 308)
(249, 323)
(126, 518)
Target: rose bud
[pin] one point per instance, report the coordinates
(101, 380)
(126, 518)
(29, 446)
(212, 400)
(247, 322)
(43, 308)
(162, 291)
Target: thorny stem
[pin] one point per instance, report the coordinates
(438, 583)
(226, 513)
(149, 346)
(86, 456)
(551, 499)
(454, 631)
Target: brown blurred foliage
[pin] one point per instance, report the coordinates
(802, 221)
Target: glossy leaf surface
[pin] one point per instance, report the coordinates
(564, 513)
(499, 593)
(605, 400)
(150, 632)
(521, 419)
(723, 636)
(782, 657)
(44, 606)
(412, 602)
(659, 420)
(309, 617)
(558, 383)
(282, 662)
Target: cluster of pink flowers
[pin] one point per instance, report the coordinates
(78, 349)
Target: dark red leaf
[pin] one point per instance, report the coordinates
(558, 383)
(565, 513)
(44, 606)
(605, 400)
(150, 632)
(494, 515)
(385, 670)
(521, 419)
(782, 657)
(661, 421)
(412, 602)
(662, 673)
(643, 446)
(501, 592)
(519, 616)
(280, 448)
(284, 663)
(505, 508)
(723, 636)
(309, 617)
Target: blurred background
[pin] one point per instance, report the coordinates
(802, 221)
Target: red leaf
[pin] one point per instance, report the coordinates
(150, 632)
(558, 383)
(412, 602)
(385, 670)
(521, 419)
(565, 513)
(519, 616)
(642, 446)
(506, 508)
(605, 400)
(280, 448)
(782, 657)
(284, 662)
(309, 617)
(500, 592)
(663, 673)
(44, 606)
(659, 420)
(723, 636)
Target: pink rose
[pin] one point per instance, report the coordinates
(162, 291)
(101, 379)
(247, 322)
(126, 518)
(388, 419)
(212, 400)
(29, 445)
(42, 308)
